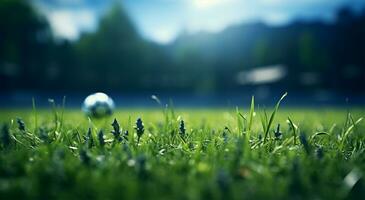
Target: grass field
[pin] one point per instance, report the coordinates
(215, 154)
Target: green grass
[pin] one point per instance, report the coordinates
(217, 154)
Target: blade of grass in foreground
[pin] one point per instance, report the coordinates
(348, 131)
(273, 116)
(239, 123)
(35, 116)
(252, 110)
(248, 132)
(62, 112)
(295, 129)
(263, 118)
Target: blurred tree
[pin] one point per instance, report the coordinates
(24, 42)
(115, 56)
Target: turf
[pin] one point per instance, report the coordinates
(215, 154)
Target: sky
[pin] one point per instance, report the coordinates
(163, 20)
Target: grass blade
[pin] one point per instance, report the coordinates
(252, 110)
(273, 116)
(35, 116)
(295, 129)
(348, 131)
(239, 122)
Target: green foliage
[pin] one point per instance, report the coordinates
(267, 123)
(213, 160)
(139, 127)
(294, 128)
(116, 129)
(116, 56)
(101, 138)
(182, 129)
(5, 136)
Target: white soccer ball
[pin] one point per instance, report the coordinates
(98, 105)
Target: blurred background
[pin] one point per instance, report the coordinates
(196, 52)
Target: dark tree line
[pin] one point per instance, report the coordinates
(115, 57)
(332, 55)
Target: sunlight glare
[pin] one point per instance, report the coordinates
(202, 4)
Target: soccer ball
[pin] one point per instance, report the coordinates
(98, 105)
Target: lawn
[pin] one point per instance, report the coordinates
(221, 153)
